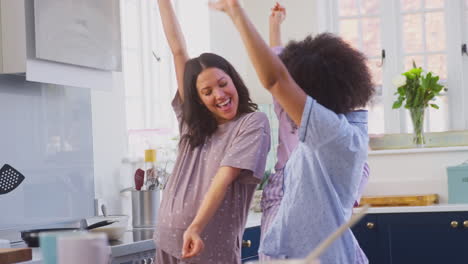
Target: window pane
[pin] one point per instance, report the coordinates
(348, 8)
(438, 118)
(438, 64)
(434, 3)
(376, 71)
(376, 116)
(371, 36)
(412, 33)
(349, 31)
(419, 60)
(435, 31)
(370, 7)
(410, 5)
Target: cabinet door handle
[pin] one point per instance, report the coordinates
(246, 243)
(465, 223)
(454, 224)
(370, 225)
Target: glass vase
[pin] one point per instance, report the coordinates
(417, 118)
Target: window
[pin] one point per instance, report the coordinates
(148, 76)
(407, 30)
(424, 42)
(359, 24)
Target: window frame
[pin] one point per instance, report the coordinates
(395, 121)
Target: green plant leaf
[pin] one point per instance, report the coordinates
(397, 104)
(435, 106)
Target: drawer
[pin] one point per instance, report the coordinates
(250, 242)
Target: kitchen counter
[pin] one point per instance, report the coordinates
(133, 242)
(254, 219)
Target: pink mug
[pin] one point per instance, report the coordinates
(89, 248)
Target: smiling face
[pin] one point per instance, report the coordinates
(218, 93)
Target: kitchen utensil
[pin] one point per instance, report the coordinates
(126, 189)
(313, 257)
(152, 179)
(162, 177)
(104, 210)
(139, 178)
(145, 206)
(14, 255)
(10, 178)
(31, 237)
(114, 231)
(101, 224)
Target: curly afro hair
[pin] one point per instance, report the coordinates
(331, 71)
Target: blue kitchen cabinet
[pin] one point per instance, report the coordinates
(250, 244)
(401, 238)
(368, 232)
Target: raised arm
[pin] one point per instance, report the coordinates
(277, 16)
(272, 73)
(176, 41)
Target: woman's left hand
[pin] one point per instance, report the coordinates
(193, 244)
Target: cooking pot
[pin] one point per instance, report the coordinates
(31, 237)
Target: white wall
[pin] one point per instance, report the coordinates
(412, 173)
(225, 39)
(109, 143)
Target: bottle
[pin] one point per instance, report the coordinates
(150, 167)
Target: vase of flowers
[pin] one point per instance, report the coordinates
(417, 89)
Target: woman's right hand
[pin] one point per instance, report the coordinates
(226, 6)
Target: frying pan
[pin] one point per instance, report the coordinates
(31, 237)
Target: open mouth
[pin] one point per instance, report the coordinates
(225, 104)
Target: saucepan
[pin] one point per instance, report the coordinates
(31, 237)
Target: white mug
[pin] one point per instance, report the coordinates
(89, 248)
(4, 243)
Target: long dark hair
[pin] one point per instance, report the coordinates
(330, 70)
(200, 121)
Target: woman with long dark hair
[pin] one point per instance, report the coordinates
(321, 82)
(222, 155)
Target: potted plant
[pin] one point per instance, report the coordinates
(416, 89)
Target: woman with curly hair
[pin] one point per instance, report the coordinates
(321, 83)
(222, 156)
(287, 140)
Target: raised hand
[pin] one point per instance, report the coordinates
(227, 6)
(278, 14)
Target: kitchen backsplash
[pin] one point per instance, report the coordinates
(46, 134)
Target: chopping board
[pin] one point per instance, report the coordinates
(13, 255)
(400, 200)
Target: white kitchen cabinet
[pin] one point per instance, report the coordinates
(12, 36)
(18, 50)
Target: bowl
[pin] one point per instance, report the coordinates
(115, 230)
